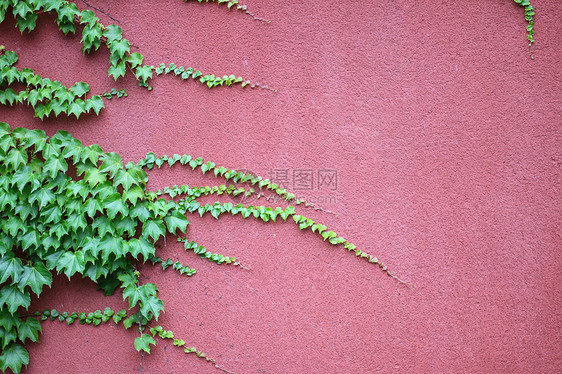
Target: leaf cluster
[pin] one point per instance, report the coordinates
(529, 13)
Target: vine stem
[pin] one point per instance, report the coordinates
(101, 11)
(226, 371)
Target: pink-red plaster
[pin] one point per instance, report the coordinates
(447, 141)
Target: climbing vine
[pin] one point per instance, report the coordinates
(529, 13)
(74, 209)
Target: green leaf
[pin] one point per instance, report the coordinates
(16, 158)
(153, 228)
(14, 357)
(176, 220)
(92, 153)
(95, 103)
(111, 163)
(94, 176)
(113, 33)
(21, 8)
(8, 320)
(143, 343)
(14, 298)
(77, 107)
(117, 70)
(152, 304)
(36, 277)
(88, 16)
(135, 59)
(114, 204)
(8, 96)
(27, 22)
(22, 177)
(108, 284)
(73, 149)
(10, 267)
(92, 206)
(29, 329)
(54, 165)
(141, 246)
(36, 138)
(71, 262)
(120, 48)
(112, 244)
(133, 194)
(143, 73)
(129, 177)
(80, 88)
(140, 211)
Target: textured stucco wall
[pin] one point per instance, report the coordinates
(447, 142)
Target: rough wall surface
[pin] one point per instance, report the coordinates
(447, 142)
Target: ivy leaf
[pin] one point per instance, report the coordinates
(143, 343)
(94, 176)
(22, 8)
(27, 22)
(111, 163)
(55, 164)
(143, 73)
(73, 149)
(36, 138)
(71, 262)
(7, 96)
(176, 220)
(135, 59)
(114, 204)
(67, 12)
(7, 319)
(117, 70)
(152, 304)
(76, 221)
(14, 357)
(56, 107)
(95, 103)
(104, 226)
(80, 88)
(126, 225)
(153, 228)
(51, 214)
(10, 266)
(94, 271)
(77, 107)
(16, 157)
(141, 212)
(14, 298)
(141, 246)
(8, 336)
(133, 194)
(30, 239)
(126, 178)
(113, 33)
(92, 206)
(92, 153)
(64, 95)
(29, 329)
(88, 16)
(120, 47)
(111, 244)
(22, 177)
(36, 277)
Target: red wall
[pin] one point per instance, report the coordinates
(447, 142)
